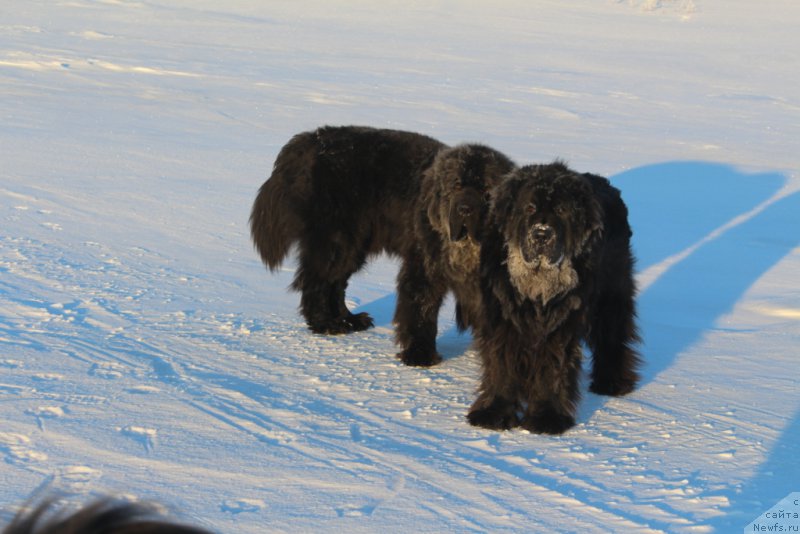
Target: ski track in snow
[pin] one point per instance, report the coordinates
(144, 351)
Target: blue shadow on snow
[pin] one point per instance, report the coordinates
(673, 206)
(691, 295)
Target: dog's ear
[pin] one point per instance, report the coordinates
(432, 190)
(502, 198)
(593, 225)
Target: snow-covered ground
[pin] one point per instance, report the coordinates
(145, 351)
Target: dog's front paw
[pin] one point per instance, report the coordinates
(419, 358)
(498, 415)
(613, 387)
(547, 420)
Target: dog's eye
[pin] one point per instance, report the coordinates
(530, 209)
(562, 210)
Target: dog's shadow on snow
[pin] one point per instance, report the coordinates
(704, 233)
(700, 242)
(381, 309)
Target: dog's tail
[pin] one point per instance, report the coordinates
(274, 222)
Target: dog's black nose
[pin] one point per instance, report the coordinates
(465, 210)
(543, 233)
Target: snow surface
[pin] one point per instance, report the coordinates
(145, 351)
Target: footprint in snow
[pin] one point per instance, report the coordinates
(393, 489)
(143, 390)
(48, 377)
(17, 449)
(146, 436)
(106, 370)
(238, 506)
(69, 480)
(76, 478)
(46, 412)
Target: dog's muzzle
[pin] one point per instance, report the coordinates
(465, 216)
(541, 245)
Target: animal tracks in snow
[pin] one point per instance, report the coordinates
(39, 62)
(18, 449)
(108, 370)
(143, 435)
(70, 480)
(46, 412)
(394, 487)
(77, 478)
(239, 506)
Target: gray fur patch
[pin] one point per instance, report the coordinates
(540, 279)
(463, 258)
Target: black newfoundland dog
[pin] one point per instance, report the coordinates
(556, 268)
(341, 194)
(449, 221)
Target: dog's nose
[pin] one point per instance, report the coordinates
(465, 210)
(542, 233)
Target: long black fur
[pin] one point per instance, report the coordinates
(556, 268)
(105, 516)
(341, 194)
(449, 222)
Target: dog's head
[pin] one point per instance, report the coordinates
(548, 216)
(461, 178)
(466, 211)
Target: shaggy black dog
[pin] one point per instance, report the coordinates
(449, 221)
(556, 268)
(341, 194)
(102, 517)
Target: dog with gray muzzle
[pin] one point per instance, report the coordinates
(448, 225)
(556, 268)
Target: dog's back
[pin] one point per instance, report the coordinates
(344, 179)
(365, 183)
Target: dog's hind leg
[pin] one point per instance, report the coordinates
(322, 304)
(356, 321)
(321, 278)
(315, 305)
(612, 333)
